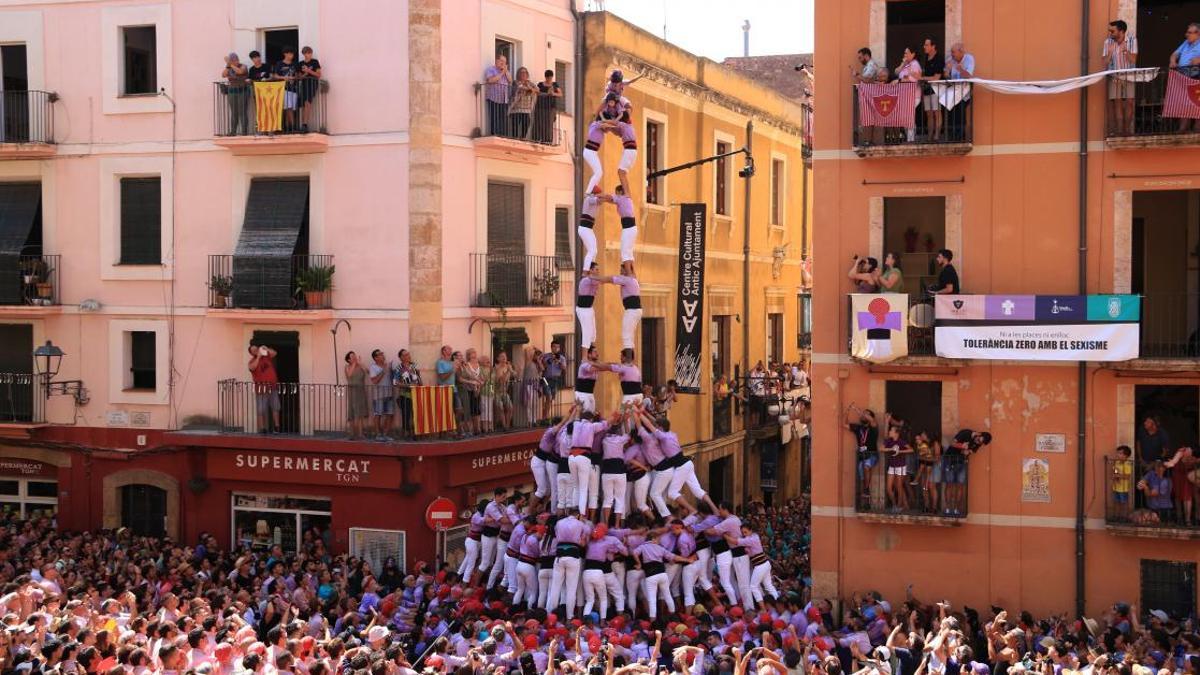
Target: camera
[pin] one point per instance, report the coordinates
(748, 170)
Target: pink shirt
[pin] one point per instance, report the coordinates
(585, 433)
(629, 286)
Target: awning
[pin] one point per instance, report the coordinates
(508, 337)
(19, 203)
(263, 270)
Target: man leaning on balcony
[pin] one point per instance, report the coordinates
(867, 73)
(960, 66)
(1120, 51)
(1187, 60)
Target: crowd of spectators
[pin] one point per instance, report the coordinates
(301, 78)
(1160, 485)
(945, 118)
(517, 107)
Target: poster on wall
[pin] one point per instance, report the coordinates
(1038, 327)
(879, 326)
(689, 324)
(1035, 480)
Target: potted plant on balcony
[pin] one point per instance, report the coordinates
(315, 283)
(222, 288)
(32, 270)
(45, 287)
(545, 285)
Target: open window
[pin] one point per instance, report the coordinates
(1166, 233)
(909, 22)
(914, 229)
(653, 372)
(722, 202)
(139, 45)
(918, 404)
(22, 265)
(510, 51)
(274, 40)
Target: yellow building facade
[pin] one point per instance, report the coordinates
(686, 108)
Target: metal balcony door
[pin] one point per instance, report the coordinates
(144, 510)
(16, 366)
(507, 274)
(286, 344)
(14, 94)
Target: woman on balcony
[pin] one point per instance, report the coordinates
(503, 374)
(357, 409)
(549, 95)
(864, 272)
(520, 110)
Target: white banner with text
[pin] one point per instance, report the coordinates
(1051, 342)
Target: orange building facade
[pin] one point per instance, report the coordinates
(1002, 189)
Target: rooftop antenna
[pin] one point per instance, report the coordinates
(664, 20)
(746, 38)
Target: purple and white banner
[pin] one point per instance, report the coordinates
(689, 324)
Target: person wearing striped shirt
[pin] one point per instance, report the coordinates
(1120, 51)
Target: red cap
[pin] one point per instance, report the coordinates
(626, 641)
(779, 624)
(435, 661)
(813, 614)
(736, 612)
(531, 642)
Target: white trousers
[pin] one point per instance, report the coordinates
(587, 323)
(630, 321)
(593, 501)
(527, 583)
(595, 591)
(685, 475)
(471, 558)
(537, 466)
(628, 239)
(581, 468)
(704, 557)
(488, 555)
(760, 581)
(615, 584)
(550, 468)
(586, 401)
(545, 576)
(588, 236)
(613, 485)
(500, 565)
(510, 572)
(564, 583)
(658, 486)
(675, 577)
(628, 157)
(658, 587)
(592, 159)
(633, 588)
(741, 572)
(566, 490)
(725, 575)
(691, 577)
(641, 490)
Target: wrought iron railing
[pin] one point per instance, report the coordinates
(497, 116)
(29, 279)
(339, 410)
(1137, 496)
(1170, 326)
(270, 282)
(22, 399)
(517, 280)
(895, 483)
(236, 111)
(1138, 107)
(27, 116)
(957, 121)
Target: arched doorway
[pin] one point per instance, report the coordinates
(144, 510)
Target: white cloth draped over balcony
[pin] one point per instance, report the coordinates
(951, 95)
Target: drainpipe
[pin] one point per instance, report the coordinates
(576, 158)
(1081, 386)
(746, 180)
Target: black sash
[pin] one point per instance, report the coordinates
(586, 221)
(634, 474)
(597, 565)
(613, 465)
(632, 302)
(628, 222)
(491, 530)
(652, 568)
(720, 546)
(739, 551)
(630, 388)
(546, 562)
(585, 301)
(564, 466)
(585, 385)
(570, 551)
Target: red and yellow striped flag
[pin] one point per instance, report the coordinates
(433, 410)
(268, 105)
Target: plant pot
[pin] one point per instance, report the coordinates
(228, 301)
(30, 279)
(45, 291)
(314, 299)
(220, 302)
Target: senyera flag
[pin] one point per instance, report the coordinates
(1183, 96)
(889, 104)
(433, 409)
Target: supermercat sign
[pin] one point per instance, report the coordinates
(1038, 327)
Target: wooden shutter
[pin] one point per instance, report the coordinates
(141, 221)
(276, 212)
(562, 237)
(507, 265)
(19, 204)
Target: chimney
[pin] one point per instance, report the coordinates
(746, 38)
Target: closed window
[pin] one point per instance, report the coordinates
(654, 160)
(143, 369)
(652, 351)
(141, 221)
(718, 336)
(1170, 586)
(777, 178)
(139, 46)
(804, 321)
(562, 237)
(562, 74)
(722, 196)
(775, 338)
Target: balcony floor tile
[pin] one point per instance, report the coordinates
(271, 315)
(281, 144)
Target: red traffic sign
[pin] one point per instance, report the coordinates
(440, 514)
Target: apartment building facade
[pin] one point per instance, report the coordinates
(686, 108)
(1003, 189)
(156, 225)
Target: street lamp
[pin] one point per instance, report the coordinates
(46, 362)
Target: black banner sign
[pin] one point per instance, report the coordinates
(689, 327)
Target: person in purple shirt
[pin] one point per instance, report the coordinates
(474, 532)
(563, 478)
(585, 300)
(544, 465)
(612, 472)
(493, 514)
(606, 122)
(528, 553)
(696, 572)
(583, 432)
(631, 300)
(506, 562)
(497, 91)
(629, 154)
(631, 378)
(760, 568)
(637, 473)
(598, 580)
(585, 379)
(571, 533)
(652, 558)
(512, 555)
(624, 204)
(684, 469)
(729, 526)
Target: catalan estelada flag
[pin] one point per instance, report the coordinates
(433, 410)
(268, 105)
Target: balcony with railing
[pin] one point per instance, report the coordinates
(346, 411)
(1139, 502)
(29, 283)
(518, 126)
(896, 487)
(22, 399)
(943, 128)
(1145, 114)
(288, 121)
(282, 283)
(504, 281)
(27, 124)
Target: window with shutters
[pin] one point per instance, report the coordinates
(655, 154)
(774, 338)
(562, 237)
(141, 221)
(562, 75)
(139, 45)
(652, 352)
(143, 363)
(722, 207)
(777, 191)
(508, 278)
